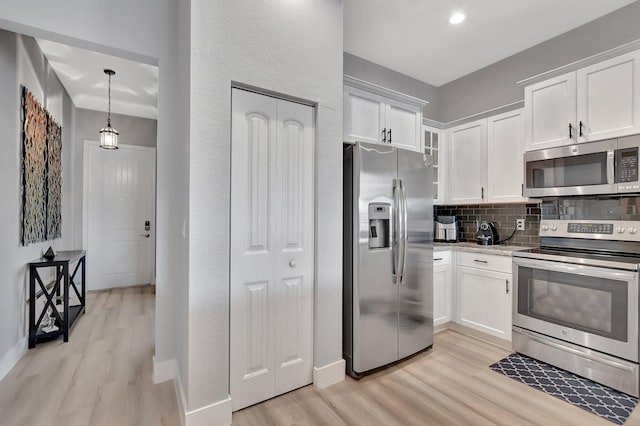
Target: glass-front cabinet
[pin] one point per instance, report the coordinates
(434, 146)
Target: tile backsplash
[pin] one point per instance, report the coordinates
(592, 208)
(503, 215)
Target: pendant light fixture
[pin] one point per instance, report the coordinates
(109, 135)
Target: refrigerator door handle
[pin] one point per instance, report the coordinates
(405, 230)
(395, 232)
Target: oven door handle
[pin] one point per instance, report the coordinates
(572, 268)
(583, 354)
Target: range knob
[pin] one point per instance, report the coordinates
(554, 228)
(620, 230)
(632, 230)
(545, 227)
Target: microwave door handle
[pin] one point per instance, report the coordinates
(610, 167)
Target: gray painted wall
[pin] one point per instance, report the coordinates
(133, 130)
(22, 62)
(385, 77)
(495, 85)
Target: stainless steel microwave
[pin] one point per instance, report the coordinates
(605, 167)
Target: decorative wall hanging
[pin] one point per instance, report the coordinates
(41, 172)
(54, 180)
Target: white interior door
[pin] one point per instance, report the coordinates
(272, 231)
(119, 198)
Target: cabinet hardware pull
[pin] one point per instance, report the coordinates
(580, 128)
(482, 192)
(480, 261)
(438, 258)
(506, 286)
(389, 135)
(384, 135)
(522, 189)
(570, 131)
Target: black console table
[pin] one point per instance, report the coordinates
(56, 293)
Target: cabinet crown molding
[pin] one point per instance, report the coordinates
(590, 60)
(383, 91)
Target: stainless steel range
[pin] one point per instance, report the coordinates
(576, 300)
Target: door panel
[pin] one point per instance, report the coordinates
(406, 125)
(294, 231)
(120, 193)
(272, 228)
(364, 116)
(415, 298)
(253, 254)
(375, 298)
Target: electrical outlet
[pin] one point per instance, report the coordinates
(520, 224)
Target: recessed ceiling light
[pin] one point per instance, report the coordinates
(456, 18)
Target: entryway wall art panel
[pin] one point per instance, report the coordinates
(41, 172)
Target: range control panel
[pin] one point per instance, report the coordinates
(618, 230)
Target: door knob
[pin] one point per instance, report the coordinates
(292, 263)
(145, 235)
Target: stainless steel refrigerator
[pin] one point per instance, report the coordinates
(387, 255)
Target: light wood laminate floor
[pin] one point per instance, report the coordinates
(448, 385)
(102, 376)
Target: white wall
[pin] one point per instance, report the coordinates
(142, 30)
(287, 46)
(22, 63)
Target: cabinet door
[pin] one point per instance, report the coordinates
(608, 97)
(484, 301)
(434, 145)
(441, 293)
(364, 116)
(468, 171)
(404, 125)
(550, 108)
(505, 148)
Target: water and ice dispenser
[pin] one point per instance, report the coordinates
(379, 225)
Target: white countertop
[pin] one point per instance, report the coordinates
(499, 250)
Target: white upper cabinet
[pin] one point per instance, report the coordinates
(404, 126)
(608, 98)
(364, 116)
(434, 145)
(595, 102)
(468, 165)
(379, 115)
(550, 112)
(505, 148)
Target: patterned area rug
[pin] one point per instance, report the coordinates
(591, 396)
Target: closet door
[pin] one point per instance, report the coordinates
(271, 249)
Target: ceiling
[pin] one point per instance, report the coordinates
(134, 87)
(414, 37)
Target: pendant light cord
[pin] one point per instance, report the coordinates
(109, 112)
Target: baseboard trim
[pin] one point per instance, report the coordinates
(216, 414)
(329, 374)
(164, 371)
(13, 355)
(480, 335)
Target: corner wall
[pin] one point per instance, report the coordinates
(290, 47)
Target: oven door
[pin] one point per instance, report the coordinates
(593, 307)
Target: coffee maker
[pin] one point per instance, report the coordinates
(446, 229)
(487, 234)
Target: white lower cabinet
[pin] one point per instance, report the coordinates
(442, 287)
(484, 293)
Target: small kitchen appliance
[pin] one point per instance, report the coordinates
(446, 229)
(487, 234)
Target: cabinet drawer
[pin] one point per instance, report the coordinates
(442, 257)
(484, 261)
